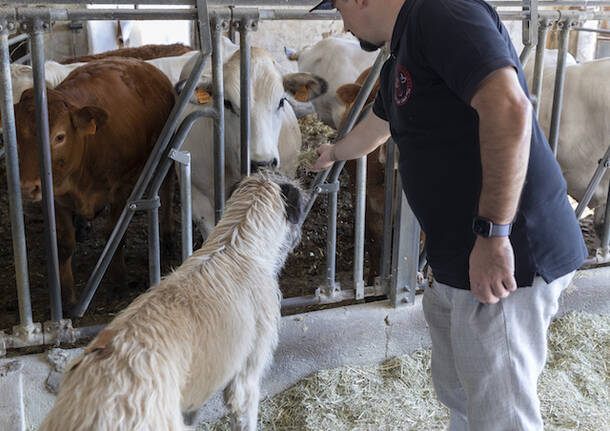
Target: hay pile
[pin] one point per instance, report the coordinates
(315, 133)
(397, 395)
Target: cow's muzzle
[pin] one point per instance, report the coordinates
(31, 190)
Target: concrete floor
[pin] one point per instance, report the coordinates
(355, 335)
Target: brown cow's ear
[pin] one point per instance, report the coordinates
(89, 119)
(304, 86)
(347, 93)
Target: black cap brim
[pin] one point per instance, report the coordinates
(323, 5)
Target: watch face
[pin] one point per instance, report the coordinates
(481, 227)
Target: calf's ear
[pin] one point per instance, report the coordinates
(347, 93)
(293, 199)
(304, 86)
(89, 119)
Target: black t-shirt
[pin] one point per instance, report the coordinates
(441, 50)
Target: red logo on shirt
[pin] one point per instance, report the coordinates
(403, 87)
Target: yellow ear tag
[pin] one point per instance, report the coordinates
(203, 96)
(302, 94)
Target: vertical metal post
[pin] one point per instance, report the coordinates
(244, 81)
(406, 252)
(219, 121)
(560, 76)
(14, 190)
(154, 258)
(606, 232)
(359, 227)
(388, 209)
(186, 207)
(529, 31)
(536, 89)
(331, 286)
(44, 151)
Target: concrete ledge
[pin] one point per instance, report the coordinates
(355, 335)
(12, 416)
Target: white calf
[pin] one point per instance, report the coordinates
(339, 61)
(211, 324)
(275, 138)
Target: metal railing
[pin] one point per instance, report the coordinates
(398, 280)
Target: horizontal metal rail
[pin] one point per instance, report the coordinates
(265, 14)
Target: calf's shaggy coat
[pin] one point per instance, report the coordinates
(211, 324)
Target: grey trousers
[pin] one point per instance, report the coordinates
(486, 358)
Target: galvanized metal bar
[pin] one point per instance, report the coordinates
(602, 166)
(594, 30)
(359, 219)
(14, 190)
(331, 287)
(525, 53)
(218, 26)
(529, 30)
(46, 175)
(141, 184)
(536, 90)
(18, 38)
(388, 209)
(245, 24)
(154, 256)
(304, 3)
(186, 208)
(405, 256)
(560, 76)
(605, 242)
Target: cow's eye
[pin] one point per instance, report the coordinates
(60, 138)
(229, 106)
(281, 105)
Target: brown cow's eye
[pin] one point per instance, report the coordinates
(60, 138)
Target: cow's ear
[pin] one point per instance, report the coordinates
(304, 86)
(293, 200)
(89, 119)
(347, 93)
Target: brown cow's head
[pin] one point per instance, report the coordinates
(69, 126)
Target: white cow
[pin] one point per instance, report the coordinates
(22, 79)
(339, 61)
(585, 124)
(275, 138)
(55, 73)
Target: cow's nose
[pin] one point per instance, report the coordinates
(32, 190)
(255, 165)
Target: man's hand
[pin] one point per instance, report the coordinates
(492, 269)
(326, 159)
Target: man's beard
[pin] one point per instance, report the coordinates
(369, 46)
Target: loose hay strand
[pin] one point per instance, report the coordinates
(574, 389)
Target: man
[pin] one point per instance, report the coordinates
(502, 239)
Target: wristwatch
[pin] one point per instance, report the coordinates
(487, 229)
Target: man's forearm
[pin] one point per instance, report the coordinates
(367, 135)
(505, 125)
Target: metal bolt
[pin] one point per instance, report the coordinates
(132, 206)
(318, 190)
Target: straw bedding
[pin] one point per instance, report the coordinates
(397, 395)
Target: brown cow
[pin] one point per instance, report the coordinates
(375, 178)
(104, 119)
(144, 52)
